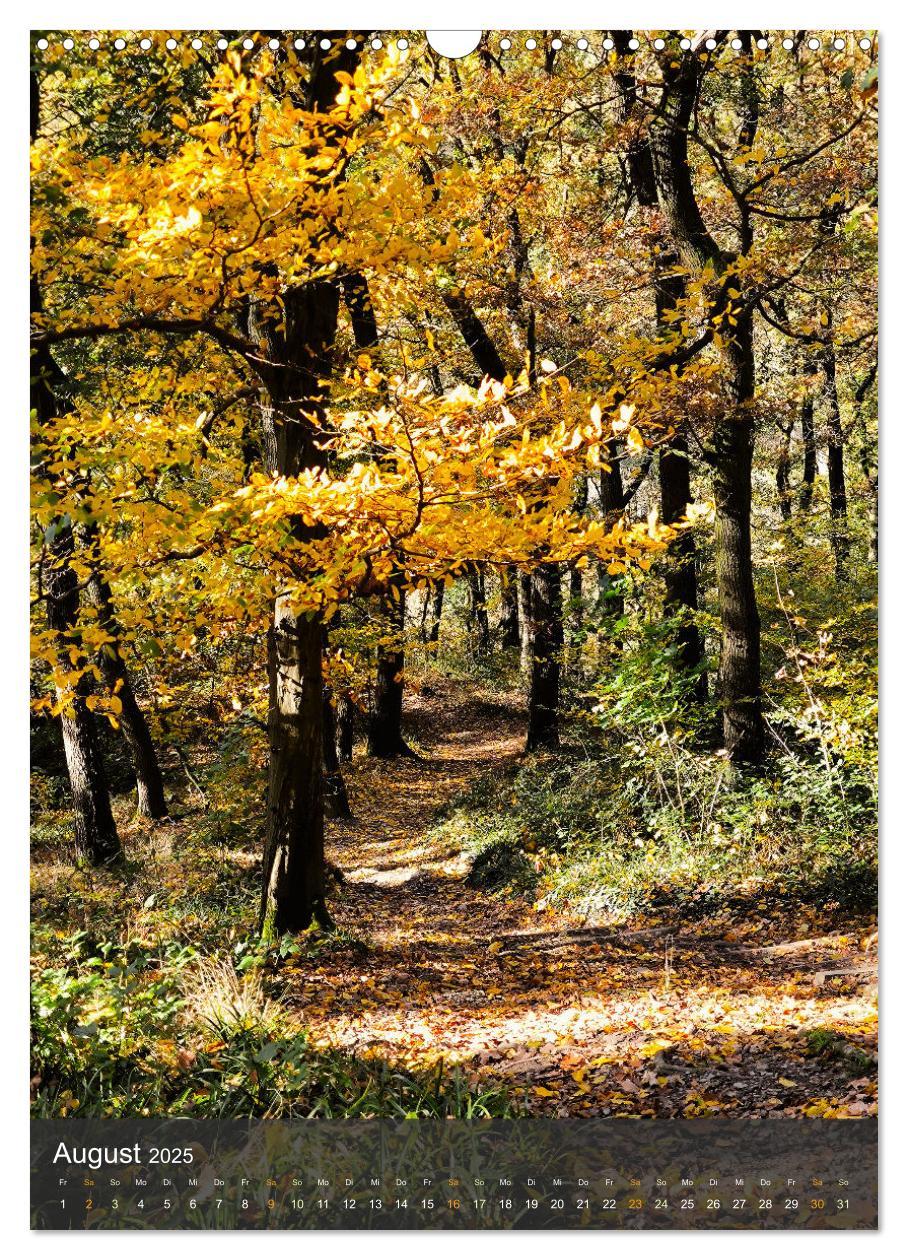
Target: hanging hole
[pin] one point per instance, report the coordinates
(583, 44)
(505, 44)
(633, 43)
(685, 45)
(838, 43)
(762, 43)
(119, 44)
(94, 44)
(710, 44)
(813, 43)
(145, 44)
(865, 43)
(196, 44)
(737, 45)
(402, 44)
(351, 44)
(557, 43)
(170, 44)
(531, 44)
(608, 43)
(299, 43)
(659, 44)
(42, 44)
(377, 43)
(68, 44)
(788, 43)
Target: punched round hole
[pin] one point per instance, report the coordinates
(838, 43)
(42, 44)
(531, 44)
(351, 44)
(710, 44)
(94, 44)
(556, 44)
(248, 44)
(813, 43)
(685, 45)
(377, 43)
(608, 44)
(583, 44)
(659, 44)
(145, 44)
(68, 44)
(170, 45)
(196, 44)
(119, 44)
(865, 43)
(788, 43)
(402, 44)
(274, 44)
(299, 43)
(633, 43)
(762, 43)
(505, 44)
(737, 44)
(222, 44)
(324, 44)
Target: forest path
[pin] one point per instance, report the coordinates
(581, 1020)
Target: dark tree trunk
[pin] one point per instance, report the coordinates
(337, 803)
(510, 612)
(809, 443)
(344, 720)
(386, 719)
(783, 470)
(299, 339)
(438, 602)
(547, 640)
(479, 612)
(681, 570)
(738, 682)
(151, 801)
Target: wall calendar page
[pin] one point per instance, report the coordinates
(454, 546)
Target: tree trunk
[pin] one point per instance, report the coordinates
(681, 569)
(293, 892)
(438, 600)
(809, 443)
(151, 801)
(738, 680)
(547, 640)
(344, 721)
(479, 612)
(510, 613)
(337, 803)
(524, 603)
(386, 719)
(783, 469)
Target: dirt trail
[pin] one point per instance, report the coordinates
(583, 1021)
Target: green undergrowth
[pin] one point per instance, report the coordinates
(132, 1031)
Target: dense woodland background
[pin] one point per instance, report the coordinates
(454, 574)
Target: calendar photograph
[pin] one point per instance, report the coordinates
(454, 545)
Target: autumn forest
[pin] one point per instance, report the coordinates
(453, 574)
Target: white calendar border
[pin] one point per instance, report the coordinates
(405, 14)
